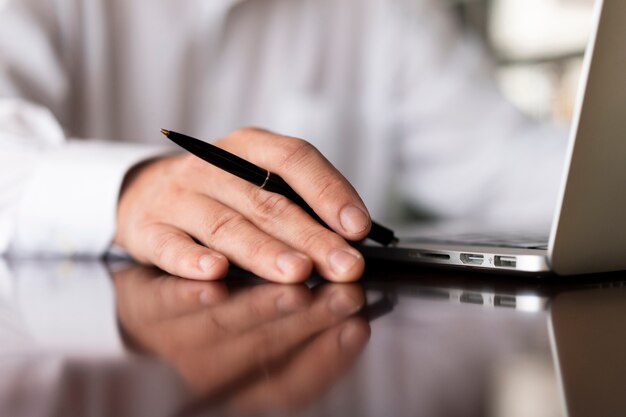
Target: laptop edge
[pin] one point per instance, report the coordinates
(589, 228)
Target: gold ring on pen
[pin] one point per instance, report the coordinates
(266, 180)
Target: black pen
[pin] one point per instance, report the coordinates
(260, 177)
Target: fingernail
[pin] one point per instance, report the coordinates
(207, 262)
(353, 219)
(342, 305)
(287, 304)
(290, 262)
(342, 261)
(205, 298)
(350, 336)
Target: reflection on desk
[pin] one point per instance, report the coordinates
(79, 340)
(588, 334)
(264, 347)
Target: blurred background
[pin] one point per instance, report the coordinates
(538, 47)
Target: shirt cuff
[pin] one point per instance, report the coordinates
(69, 206)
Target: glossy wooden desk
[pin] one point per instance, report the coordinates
(89, 339)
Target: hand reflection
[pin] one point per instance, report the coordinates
(262, 347)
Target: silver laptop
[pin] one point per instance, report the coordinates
(588, 232)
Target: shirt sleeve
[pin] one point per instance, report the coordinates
(57, 195)
(466, 151)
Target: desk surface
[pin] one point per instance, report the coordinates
(89, 339)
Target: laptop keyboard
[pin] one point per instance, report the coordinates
(530, 241)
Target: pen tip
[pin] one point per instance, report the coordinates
(165, 132)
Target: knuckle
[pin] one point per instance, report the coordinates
(310, 238)
(221, 224)
(255, 248)
(172, 191)
(270, 206)
(214, 324)
(248, 132)
(251, 130)
(294, 152)
(254, 310)
(329, 185)
(162, 246)
(190, 165)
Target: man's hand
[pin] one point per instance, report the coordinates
(189, 218)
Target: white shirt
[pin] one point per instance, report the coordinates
(388, 90)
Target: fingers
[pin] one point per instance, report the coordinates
(243, 312)
(162, 207)
(311, 175)
(228, 232)
(310, 372)
(153, 295)
(277, 216)
(259, 305)
(175, 252)
(332, 304)
(267, 343)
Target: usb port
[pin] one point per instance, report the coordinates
(472, 259)
(504, 301)
(506, 261)
(471, 298)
